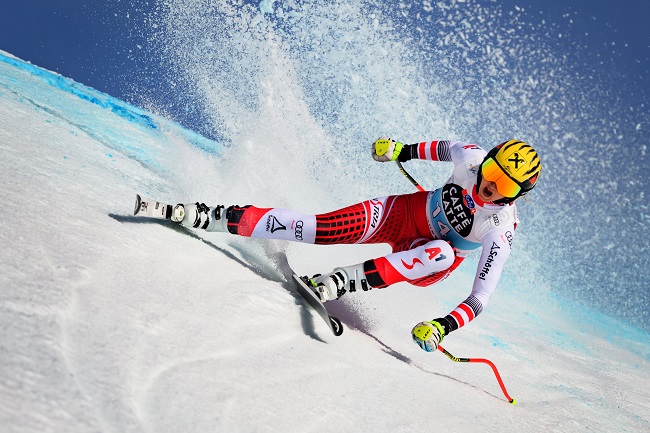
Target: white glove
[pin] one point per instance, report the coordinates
(386, 149)
(428, 335)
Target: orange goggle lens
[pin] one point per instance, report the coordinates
(492, 172)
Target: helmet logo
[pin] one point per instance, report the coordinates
(516, 160)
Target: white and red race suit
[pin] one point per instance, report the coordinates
(421, 228)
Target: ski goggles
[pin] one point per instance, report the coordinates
(493, 172)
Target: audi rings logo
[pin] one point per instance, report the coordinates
(298, 230)
(509, 238)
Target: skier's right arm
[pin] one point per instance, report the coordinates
(387, 149)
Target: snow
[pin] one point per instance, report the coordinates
(117, 324)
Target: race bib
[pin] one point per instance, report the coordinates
(451, 216)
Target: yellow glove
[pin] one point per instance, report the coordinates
(428, 335)
(386, 149)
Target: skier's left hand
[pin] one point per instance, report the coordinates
(428, 335)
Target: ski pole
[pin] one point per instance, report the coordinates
(381, 147)
(484, 361)
(409, 177)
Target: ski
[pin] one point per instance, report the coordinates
(308, 295)
(151, 208)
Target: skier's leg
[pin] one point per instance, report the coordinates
(357, 223)
(372, 221)
(250, 221)
(433, 258)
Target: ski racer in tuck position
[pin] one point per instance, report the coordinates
(430, 232)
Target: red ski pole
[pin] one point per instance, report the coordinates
(484, 361)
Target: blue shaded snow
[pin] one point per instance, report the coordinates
(131, 113)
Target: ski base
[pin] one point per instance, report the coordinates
(308, 295)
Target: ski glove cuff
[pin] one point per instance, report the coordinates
(386, 149)
(428, 335)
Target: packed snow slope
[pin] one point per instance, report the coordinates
(112, 323)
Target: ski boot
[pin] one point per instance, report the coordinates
(200, 216)
(338, 282)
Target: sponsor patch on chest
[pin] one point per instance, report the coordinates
(458, 213)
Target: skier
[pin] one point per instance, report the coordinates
(430, 232)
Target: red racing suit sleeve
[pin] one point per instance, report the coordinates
(496, 250)
(429, 150)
